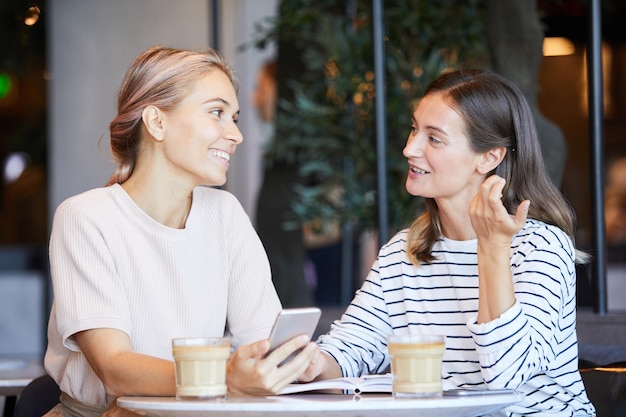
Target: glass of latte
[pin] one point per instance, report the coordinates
(416, 364)
(201, 367)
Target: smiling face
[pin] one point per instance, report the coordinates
(442, 164)
(200, 134)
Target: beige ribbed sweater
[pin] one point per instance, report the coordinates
(114, 266)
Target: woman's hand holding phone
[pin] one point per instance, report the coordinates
(257, 369)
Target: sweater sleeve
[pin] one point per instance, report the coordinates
(252, 300)
(537, 334)
(88, 292)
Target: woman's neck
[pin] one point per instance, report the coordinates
(456, 225)
(167, 204)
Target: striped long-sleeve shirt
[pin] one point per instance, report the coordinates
(532, 347)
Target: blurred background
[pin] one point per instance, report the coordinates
(61, 62)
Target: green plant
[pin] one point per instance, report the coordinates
(326, 127)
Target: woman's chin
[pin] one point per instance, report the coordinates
(213, 182)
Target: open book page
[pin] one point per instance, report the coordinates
(350, 385)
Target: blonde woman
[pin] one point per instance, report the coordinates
(157, 253)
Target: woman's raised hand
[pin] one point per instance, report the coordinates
(490, 219)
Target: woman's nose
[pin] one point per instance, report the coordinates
(234, 134)
(412, 147)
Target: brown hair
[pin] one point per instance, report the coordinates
(159, 77)
(495, 114)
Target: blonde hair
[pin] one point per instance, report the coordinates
(158, 77)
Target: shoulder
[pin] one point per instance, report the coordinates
(215, 200)
(88, 201)
(538, 230)
(394, 251)
(216, 196)
(96, 209)
(396, 243)
(542, 236)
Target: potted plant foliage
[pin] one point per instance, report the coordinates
(326, 125)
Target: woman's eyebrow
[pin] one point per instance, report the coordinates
(217, 99)
(436, 129)
(222, 101)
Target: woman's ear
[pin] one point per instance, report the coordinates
(491, 159)
(152, 118)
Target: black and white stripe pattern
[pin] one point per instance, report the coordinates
(532, 347)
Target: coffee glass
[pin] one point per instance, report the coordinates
(201, 367)
(416, 364)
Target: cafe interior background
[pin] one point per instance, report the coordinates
(61, 63)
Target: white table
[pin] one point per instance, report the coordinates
(316, 405)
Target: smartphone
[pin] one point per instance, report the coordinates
(292, 322)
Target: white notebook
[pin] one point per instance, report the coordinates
(353, 385)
